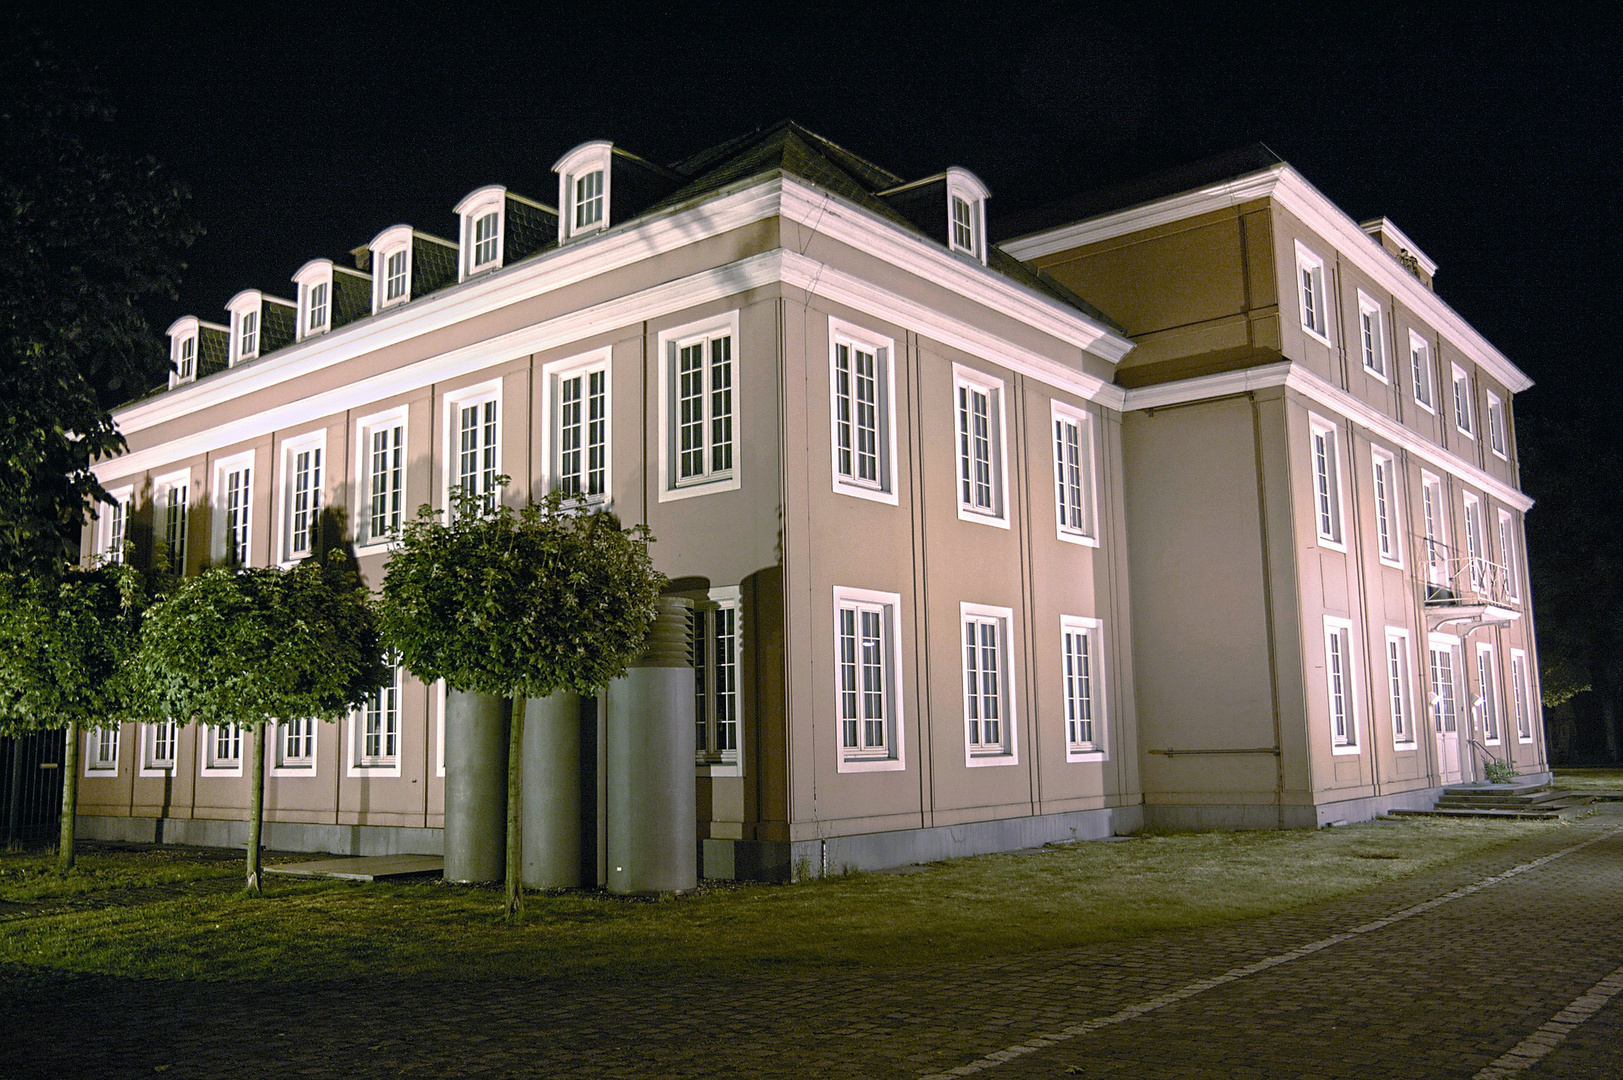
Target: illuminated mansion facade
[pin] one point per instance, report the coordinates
(1190, 503)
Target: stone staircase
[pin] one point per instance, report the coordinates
(1516, 802)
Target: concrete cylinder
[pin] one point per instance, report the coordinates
(475, 786)
(550, 805)
(652, 817)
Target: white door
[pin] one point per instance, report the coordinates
(1445, 713)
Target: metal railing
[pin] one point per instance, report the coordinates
(1453, 577)
(30, 789)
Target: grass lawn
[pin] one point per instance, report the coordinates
(968, 908)
(1587, 781)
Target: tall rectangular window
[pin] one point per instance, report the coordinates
(1444, 691)
(1081, 667)
(188, 358)
(1311, 292)
(117, 519)
(1338, 673)
(580, 427)
(703, 376)
(485, 229)
(318, 307)
(476, 433)
(222, 750)
(1073, 474)
(1397, 674)
(302, 497)
(856, 414)
(980, 446)
(1326, 481)
(376, 727)
(1462, 402)
(988, 698)
(1372, 336)
(715, 674)
(101, 750)
(232, 503)
(1431, 506)
(1474, 552)
(395, 278)
(248, 342)
(963, 225)
(1383, 481)
(866, 695)
(1420, 362)
(1488, 684)
(159, 748)
(1507, 555)
(170, 506)
(1519, 688)
(382, 477)
(588, 199)
(1496, 424)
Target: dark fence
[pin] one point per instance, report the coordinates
(30, 789)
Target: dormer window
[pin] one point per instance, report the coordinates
(248, 339)
(483, 229)
(187, 348)
(485, 237)
(966, 213)
(316, 320)
(186, 362)
(315, 282)
(391, 267)
(584, 188)
(246, 314)
(394, 276)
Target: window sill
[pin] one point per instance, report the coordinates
(1085, 755)
(718, 768)
(1333, 545)
(382, 772)
(983, 761)
(1078, 538)
(1321, 338)
(859, 765)
(981, 517)
(709, 487)
(218, 771)
(1345, 751)
(1395, 564)
(859, 491)
(293, 771)
(1405, 747)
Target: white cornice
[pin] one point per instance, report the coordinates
(1290, 190)
(1308, 384)
(1385, 226)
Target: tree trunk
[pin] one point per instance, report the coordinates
(256, 808)
(70, 797)
(515, 846)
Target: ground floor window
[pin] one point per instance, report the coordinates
(867, 694)
(988, 692)
(1080, 656)
(716, 661)
(101, 750)
(222, 750)
(296, 745)
(375, 727)
(158, 746)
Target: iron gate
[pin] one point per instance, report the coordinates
(30, 789)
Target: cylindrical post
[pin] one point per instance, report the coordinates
(652, 819)
(475, 786)
(551, 803)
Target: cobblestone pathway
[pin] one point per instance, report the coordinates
(1498, 966)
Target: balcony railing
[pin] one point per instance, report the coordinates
(1456, 579)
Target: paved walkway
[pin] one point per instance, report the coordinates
(1510, 964)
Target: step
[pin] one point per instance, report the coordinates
(1500, 790)
(1555, 811)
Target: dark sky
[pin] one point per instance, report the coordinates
(1492, 141)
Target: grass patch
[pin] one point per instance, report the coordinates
(996, 905)
(1590, 781)
(32, 878)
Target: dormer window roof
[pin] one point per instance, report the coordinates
(189, 338)
(314, 280)
(483, 232)
(406, 264)
(966, 213)
(260, 324)
(584, 189)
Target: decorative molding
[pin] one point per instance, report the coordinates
(1298, 378)
(1291, 191)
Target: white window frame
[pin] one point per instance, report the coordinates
(1086, 491)
(1434, 526)
(964, 186)
(284, 764)
(671, 486)
(1329, 509)
(1372, 336)
(1311, 292)
(1521, 689)
(1400, 689)
(1338, 633)
(1464, 408)
(469, 397)
(1446, 645)
(166, 529)
(1487, 672)
(382, 765)
(318, 273)
(1006, 749)
(969, 380)
(587, 158)
(477, 206)
(708, 760)
(553, 377)
(393, 420)
(113, 523)
(1384, 487)
(1497, 431)
(150, 764)
(210, 761)
(856, 339)
(247, 341)
(101, 751)
(391, 241)
(185, 332)
(1476, 539)
(888, 608)
(224, 467)
(1423, 373)
(1507, 554)
(314, 443)
(1091, 631)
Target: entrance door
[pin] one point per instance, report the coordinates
(1445, 713)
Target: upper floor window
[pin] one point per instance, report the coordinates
(1463, 418)
(1080, 656)
(1073, 474)
(1507, 554)
(474, 429)
(1496, 425)
(583, 188)
(1372, 336)
(1474, 550)
(315, 282)
(185, 343)
(578, 431)
(186, 362)
(482, 214)
(1311, 292)
(1487, 670)
(301, 494)
(258, 324)
(981, 470)
(248, 340)
(317, 317)
(1383, 479)
(1431, 512)
(867, 687)
(394, 276)
(966, 213)
(988, 691)
(115, 524)
(382, 476)
(1518, 689)
(391, 266)
(698, 408)
(169, 504)
(862, 413)
(1340, 685)
(1326, 481)
(233, 497)
(1420, 362)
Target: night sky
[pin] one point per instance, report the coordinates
(304, 130)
